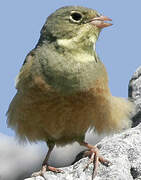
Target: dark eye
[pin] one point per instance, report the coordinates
(76, 16)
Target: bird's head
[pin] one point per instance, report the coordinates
(74, 24)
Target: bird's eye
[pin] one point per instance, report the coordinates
(76, 16)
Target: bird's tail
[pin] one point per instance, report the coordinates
(122, 111)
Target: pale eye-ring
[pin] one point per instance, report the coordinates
(76, 17)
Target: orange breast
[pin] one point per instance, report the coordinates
(41, 113)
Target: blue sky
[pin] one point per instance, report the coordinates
(118, 46)
(20, 23)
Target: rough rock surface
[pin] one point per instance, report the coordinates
(122, 150)
(134, 92)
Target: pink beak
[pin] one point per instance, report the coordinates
(100, 21)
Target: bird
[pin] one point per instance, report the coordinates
(62, 87)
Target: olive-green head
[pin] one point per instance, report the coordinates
(80, 23)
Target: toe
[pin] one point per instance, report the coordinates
(105, 162)
(53, 169)
(35, 174)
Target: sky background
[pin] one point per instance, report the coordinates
(20, 24)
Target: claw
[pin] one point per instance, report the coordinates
(53, 169)
(90, 161)
(95, 158)
(105, 162)
(44, 169)
(41, 172)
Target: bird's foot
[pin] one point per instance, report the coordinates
(95, 158)
(41, 172)
(44, 169)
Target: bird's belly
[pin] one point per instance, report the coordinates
(63, 117)
(51, 116)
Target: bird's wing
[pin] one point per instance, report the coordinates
(25, 71)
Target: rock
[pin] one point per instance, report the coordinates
(134, 92)
(123, 150)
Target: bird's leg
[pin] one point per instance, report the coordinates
(95, 158)
(45, 162)
(45, 166)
